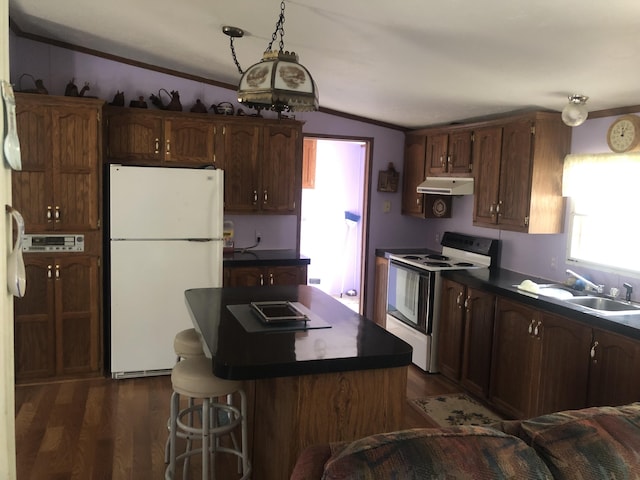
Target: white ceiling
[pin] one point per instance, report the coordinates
(411, 63)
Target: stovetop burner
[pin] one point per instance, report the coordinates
(464, 264)
(435, 256)
(437, 264)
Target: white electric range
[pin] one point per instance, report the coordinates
(414, 289)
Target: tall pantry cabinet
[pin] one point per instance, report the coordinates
(57, 323)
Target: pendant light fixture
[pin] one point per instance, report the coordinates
(277, 82)
(575, 112)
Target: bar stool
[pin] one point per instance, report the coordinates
(192, 378)
(186, 344)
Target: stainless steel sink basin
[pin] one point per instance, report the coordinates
(606, 306)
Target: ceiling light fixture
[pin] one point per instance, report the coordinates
(277, 82)
(575, 112)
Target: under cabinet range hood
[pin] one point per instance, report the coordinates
(447, 186)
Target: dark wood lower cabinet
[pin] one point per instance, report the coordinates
(265, 276)
(614, 370)
(57, 322)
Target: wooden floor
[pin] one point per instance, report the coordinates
(104, 429)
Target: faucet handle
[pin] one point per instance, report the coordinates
(629, 289)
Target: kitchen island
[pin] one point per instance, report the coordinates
(312, 385)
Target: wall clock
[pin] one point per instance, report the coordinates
(624, 134)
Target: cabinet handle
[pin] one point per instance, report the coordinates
(261, 280)
(49, 214)
(255, 197)
(271, 279)
(536, 330)
(442, 160)
(592, 353)
(467, 303)
(459, 299)
(418, 201)
(49, 271)
(531, 326)
(57, 272)
(57, 215)
(266, 197)
(157, 147)
(449, 160)
(168, 147)
(498, 207)
(492, 209)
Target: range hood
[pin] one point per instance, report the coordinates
(447, 186)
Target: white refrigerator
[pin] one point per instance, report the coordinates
(165, 236)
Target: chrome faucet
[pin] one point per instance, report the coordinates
(588, 283)
(629, 289)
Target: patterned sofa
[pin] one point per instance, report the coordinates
(593, 443)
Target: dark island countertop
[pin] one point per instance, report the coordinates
(266, 258)
(351, 343)
(504, 282)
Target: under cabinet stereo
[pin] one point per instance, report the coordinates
(53, 243)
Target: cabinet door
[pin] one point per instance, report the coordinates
(380, 291)
(413, 175)
(244, 276)
(74, 133)
(487, 146)
(190, 141)
(241, 149)
(564, 365)
(459, 153)
(437, 153)
(515, 359)
(478, 340)
(451, 329)
(281, 169)
(515, 176)
(614, 367)
(77, 301)
(32, 189)
(134, 135)
(34, 316)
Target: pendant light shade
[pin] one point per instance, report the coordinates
(278, 82)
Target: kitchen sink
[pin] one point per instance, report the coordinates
(604, 305)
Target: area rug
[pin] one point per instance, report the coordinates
(454, 409)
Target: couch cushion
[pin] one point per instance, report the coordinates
(463, 452)
(593, 443)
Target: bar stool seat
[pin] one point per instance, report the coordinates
(192, 378)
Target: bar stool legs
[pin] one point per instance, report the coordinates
(193, 379)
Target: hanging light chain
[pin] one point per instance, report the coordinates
(279, 29)
(233, 54)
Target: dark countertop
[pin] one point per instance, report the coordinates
(352, 343)
(266, 258)
(501, 282)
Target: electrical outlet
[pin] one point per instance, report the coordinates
(386, 207)
(437, 238)
(554, 264)
(258, 237)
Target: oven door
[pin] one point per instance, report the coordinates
(410, 296)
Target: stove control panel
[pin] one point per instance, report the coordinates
(53, 243)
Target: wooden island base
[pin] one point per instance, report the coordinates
(287, 414)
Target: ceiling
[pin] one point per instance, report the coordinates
(410, 63)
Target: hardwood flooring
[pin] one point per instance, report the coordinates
(104, 429)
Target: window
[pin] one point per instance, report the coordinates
(604, 191)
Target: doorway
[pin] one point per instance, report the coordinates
(333, 215)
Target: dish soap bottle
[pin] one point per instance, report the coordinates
(227, 235)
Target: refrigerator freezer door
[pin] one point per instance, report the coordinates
(162, 203)
(148, 280)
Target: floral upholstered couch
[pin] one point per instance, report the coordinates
(590, 444)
